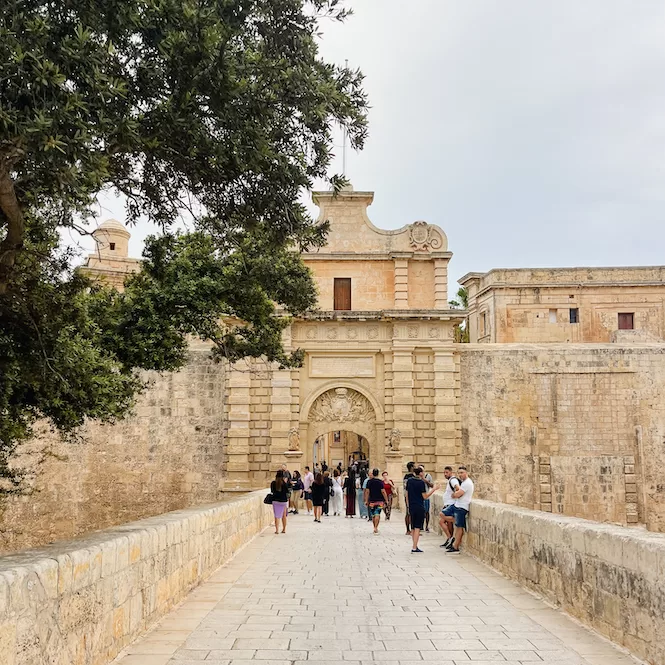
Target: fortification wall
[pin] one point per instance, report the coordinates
(168, 455)
(574, 429)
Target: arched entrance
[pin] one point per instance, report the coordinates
(341, 447)
(345, 409)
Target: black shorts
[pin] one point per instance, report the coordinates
(417, 518)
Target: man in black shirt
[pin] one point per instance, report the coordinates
(375, 498)
(407, 477)
(416, 494)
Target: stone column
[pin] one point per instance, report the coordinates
(401, 283)
(403, 400)
(441, 284)
(446, 409)
(281, 417)
(238, 476)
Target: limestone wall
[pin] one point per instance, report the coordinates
(570, 429)
(82, 602)
(609, 577)
(168, 455)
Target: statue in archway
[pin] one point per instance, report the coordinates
(294, 439)
(394, 440)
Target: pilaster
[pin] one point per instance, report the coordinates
(239, 415)
(441, 284)
(403, 399)
(401, 283)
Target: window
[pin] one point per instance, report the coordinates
(342, 293)
(626, 321)
(574, 315)
(337, 437)
(483, 324)
(112, 246)
(552, 316)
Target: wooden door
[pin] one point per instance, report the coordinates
(342, 293)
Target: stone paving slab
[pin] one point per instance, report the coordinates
(336, 593)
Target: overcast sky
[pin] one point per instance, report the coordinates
(532, 132)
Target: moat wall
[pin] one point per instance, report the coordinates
(168, 455)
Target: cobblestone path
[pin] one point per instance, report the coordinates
(334, 592)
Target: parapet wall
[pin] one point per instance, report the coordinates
(83, 601)
(609, 577)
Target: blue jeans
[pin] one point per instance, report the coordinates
(362, 508)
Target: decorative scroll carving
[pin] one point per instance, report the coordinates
(394, 440)
(422, 237)
(294, 439)
(342, 405)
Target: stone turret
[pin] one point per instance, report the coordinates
(110, 261)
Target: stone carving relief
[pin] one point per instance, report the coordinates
(413, 332)
(373, 332)
(331, 333)
(424, 237)
(394, 440)
(433, 332)
(342, 405)
(294, 439)
(311, 333)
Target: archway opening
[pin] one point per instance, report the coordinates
(341, 448)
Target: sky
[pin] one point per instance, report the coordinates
(532, 132)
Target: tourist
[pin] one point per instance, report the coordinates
(338, 493)
(279, 489)
(463, 496)
(327, 481)
(324, 467)
(447, 516)
(375, 498)
(391, 490)
(415, 496)
(339, 468)
(349, 488)
(287, 474)
(319, 490)
(296, 492)
(430, 483)
(407, 476)
(361, 485)
(307, 488)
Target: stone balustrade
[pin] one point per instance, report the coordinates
(612, 578)
(81, 602)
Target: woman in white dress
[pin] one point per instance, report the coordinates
(338, 498)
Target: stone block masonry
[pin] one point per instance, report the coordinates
(82, 602)
(609, 577)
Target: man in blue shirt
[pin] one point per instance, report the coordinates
(416, 494)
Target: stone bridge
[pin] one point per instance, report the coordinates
(215, 585)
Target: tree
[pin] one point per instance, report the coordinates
(461, 301)
(220, 110)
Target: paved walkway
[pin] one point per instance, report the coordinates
(333, 592)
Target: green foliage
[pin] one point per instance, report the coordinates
(461, 302)
(220, 110)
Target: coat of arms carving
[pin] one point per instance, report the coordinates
(342, 405)
(423, 236)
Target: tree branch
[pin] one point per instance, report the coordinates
(13, 241)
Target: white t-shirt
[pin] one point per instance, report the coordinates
(307, 481)
(465, 500)
(448, 494)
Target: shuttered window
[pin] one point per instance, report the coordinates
(342, 295)
(626, 321)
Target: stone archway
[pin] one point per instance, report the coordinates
(343, 408)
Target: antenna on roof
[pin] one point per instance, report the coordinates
(346, 64)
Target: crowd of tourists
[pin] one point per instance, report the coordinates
(357, 490)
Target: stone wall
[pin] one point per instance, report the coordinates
(609, 577)
(82, 602)
(168, 455)
(571, 429)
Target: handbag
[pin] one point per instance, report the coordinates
(268, 498)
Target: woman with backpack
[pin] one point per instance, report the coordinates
(280, 490)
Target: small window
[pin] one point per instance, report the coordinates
(483, 324)
(337, 437)
(626, 321)
(552, 316)
(342, 293)
(574, 315)
(112, 246)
